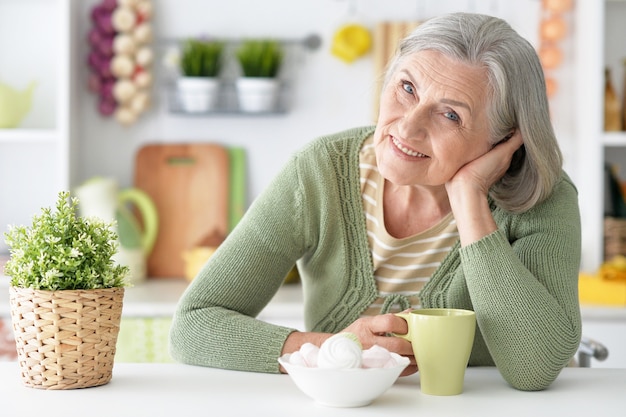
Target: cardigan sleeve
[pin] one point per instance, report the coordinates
(523, 284)
(214, 324)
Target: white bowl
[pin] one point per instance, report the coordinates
(355, 387)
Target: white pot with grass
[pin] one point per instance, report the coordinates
(258, 88)
(257, 94)
(198, 88)
(198, 94)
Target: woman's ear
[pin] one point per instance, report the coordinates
(507, 137)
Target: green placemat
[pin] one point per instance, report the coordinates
(143, 340)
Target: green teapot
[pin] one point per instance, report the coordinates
(14, 104)
(100, 197)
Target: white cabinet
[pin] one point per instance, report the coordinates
(35, 163)
(600, 35)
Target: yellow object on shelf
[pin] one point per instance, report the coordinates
(594, 289)
(195, 260)
(14, 104)
(351, 41)
(614, 269)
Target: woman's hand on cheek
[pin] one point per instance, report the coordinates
(486, 170)
(374, 331)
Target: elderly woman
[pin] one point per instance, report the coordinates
(456, 198)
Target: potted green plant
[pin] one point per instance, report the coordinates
(260, 61)
(66, 294)
(200, 65)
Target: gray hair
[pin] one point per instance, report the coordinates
(517, 97)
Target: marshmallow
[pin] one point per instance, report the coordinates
(296, 358)
(340, 351)
(310, 353)
(377, 357)
(343, 351)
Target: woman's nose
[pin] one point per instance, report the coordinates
(414, 122)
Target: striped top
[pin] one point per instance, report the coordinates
(401, 266)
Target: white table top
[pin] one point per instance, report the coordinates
(169, 389)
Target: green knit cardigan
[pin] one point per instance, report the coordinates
(522, 280)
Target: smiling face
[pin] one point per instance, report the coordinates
(432, 120)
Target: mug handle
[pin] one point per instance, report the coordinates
(406, 336)
(148, 212)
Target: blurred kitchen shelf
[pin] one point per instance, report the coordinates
(614, 138)
(28, 135)
(227, 103)
(36, 158)
(599, 45)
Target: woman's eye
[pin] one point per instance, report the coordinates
(406, 86)
(452, 116)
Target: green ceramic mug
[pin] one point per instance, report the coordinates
(442, 340)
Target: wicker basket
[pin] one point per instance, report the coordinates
(614, 237)
(66, 339)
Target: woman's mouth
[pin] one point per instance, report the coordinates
(406, 150)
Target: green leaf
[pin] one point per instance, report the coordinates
(260, 58)
(202, 58)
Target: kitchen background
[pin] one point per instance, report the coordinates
(64, 140)
(325, 94)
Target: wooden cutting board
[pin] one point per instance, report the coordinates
(189, 184)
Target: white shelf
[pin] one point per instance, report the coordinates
(28, 135)
(614, 138)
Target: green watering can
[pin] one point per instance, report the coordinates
(14, 104)
(100, 197)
